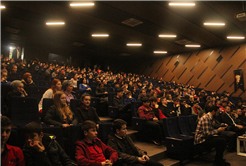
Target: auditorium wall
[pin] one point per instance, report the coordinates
(211, 69)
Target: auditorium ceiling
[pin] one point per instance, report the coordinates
(24, 23)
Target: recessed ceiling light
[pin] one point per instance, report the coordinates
(160, 52)
(192, 45)
(55, 23)
(219, 24)
(134, 44)
(235, 37)
(99, 35)
(2, 7)
(82, 4)
(181, 4)
(167, 35)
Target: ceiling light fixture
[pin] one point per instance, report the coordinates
(134, 44)
(181, 4)
(192, 45)
(220, 24)
(55, 23)
(81, 4)
(167, 35)
(99, 35)
(160, 52)
(235, 37)
(2, 7)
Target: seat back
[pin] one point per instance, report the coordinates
(134, 107)
(23, 110)
(94, 101)
(183, 122)
(4, 90)
(192, 122)
(47, 102)
(79, 93)
(104, 130)
(45, 83)
(110, 98)
(74, 103)
(57, 131)
(36, 91)
(13, 138)
(171, 127)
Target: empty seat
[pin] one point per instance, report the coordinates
(46, 105)
(36, 91)
(192, 122)
(183, 123)
(23, 110)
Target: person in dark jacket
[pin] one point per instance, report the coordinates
(85, 112)
(129, 98)
(155, 108)
(27, 81)
(130, 154)
(91, 150)
(59, 114)
(42, 149)
(118, 102)
(164, 108)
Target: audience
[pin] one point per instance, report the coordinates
(118, 102)
(129, 98)
(84, 86)
(10, 155)
(42, 149)
(91, 150)
(27, 80)
(67, 87)
(130, 154)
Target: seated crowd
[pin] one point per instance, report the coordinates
(159, 100)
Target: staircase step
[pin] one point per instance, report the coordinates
(106, 119)
(169, 162)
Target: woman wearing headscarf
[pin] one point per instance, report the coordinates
(67, 87)
(27, 80)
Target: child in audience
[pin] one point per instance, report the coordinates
(4, 75)
(55, 86)
(42, 149)
(129, 98)
(91, 150)
(130, 154)
(59, 114)
(10, 155)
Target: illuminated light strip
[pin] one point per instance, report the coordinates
(235, 37)
(167, 35)
(99, 35)
(182, 4)
(160, 52)
(55, 23)
(192, 45)
(134, 44)
(2, 7)
(220, 24)
(81, 4)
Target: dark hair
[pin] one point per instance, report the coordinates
(119, 90)
(117, 124)
(145, 100)
(5, 121)
(153, 99)
(200, 113)
(84, 95)
(33, 127)
(128, 93)
(195, 102)
(175, 99)
(212, 108)
(87, 125)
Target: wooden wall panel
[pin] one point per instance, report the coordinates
(200, 68)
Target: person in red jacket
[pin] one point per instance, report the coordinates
(10, 155)
(146, 112)
(91, 151)
(155, 108)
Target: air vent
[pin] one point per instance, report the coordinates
(12, 30)
(132, 22)
(124, 54)
(219, 58)
(77, 44)
(183, 42)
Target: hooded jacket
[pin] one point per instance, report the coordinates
(82, 154)
(53, 155)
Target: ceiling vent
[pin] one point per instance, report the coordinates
(124, 54)
(77, 44)
(183, 42)
(12, 30)
(132, 22)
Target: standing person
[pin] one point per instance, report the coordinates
(16, 53)
(55, 86)
(91, 150)
(42, 149)
(10, 155)
(130, 154)
(209, 137)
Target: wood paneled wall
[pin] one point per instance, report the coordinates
(200, 68)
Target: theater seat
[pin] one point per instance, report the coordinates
(23, 110)
(137, 123)
(183, 123)
(46, 105)
(192, 122)
(36, 91)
